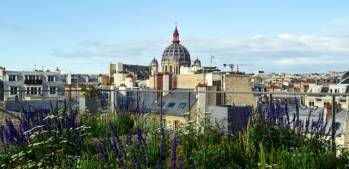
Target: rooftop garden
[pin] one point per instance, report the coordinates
(65, 138)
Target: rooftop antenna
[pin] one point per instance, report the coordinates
(211, 60)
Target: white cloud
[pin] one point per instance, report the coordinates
(341, 21)
(283, 51)
(307, 61)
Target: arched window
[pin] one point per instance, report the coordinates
(165, 68)
(171, 69)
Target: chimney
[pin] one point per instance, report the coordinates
(2, 73)
(166, 83)
(202, 103)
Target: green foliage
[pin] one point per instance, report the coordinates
(124, 124)
(89, 90)
(200, 146)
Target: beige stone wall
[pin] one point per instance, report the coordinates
(189, 81)
(151, 82)
(104, 80)
(118, 79)
(169, 121)
(212, 97)
(238, 83)
(321, 101)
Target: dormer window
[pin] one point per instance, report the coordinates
(12, 78)
(51, 78)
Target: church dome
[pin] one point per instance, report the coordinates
(176, 53)
(197, 62)
(345, 78)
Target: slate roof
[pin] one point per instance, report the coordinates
(175, 103)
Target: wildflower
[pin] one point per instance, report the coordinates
(100, 150)
(174, 152)
(129, 139)
(142, 144)
(181, 162)
(49, 117)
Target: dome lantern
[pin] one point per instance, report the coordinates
(175, 55)
(175, 36)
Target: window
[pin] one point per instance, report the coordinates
(11, 78)
(175, 124)
(13, 90)
(33, 91)
(32, 79)
(171, 105)
(182, 105)
(53, 90)
(28, 90)
(311, 103)
(51, 78)
(39, 90)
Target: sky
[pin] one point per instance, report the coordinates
(84, 36)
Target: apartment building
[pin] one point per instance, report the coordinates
(32, 85)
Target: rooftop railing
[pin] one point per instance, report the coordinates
(170, 102)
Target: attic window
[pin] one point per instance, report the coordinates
(171, 104)
(182, 105)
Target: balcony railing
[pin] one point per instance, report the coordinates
(33, 82)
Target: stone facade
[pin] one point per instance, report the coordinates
(189, 81)
(238, 83)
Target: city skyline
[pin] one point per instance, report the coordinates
(85, 36)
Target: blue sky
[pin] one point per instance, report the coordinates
(84, 35)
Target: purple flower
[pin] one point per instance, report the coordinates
(142, 144)
(137, 163)
(116, 152)
(129, 139)
(181, 162)
(2, 134)
(174, 152)
(100, 149)
(162, 148)
(118, 141)
(193, 164)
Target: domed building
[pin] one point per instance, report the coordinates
(345, 78)
(175, 56)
